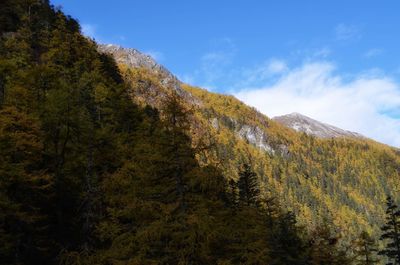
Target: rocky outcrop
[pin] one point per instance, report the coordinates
(255, 136)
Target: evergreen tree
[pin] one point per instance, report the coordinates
(325, 248)
(232, 193)
(391, 233)
(248, 186)
(365, 250)
(288, 245)
(271, 209)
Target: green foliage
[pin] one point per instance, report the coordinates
(365, 250)
(289, 245)
(325, 247)
(249, 192)
(391, 232)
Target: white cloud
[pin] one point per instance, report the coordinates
(346, 32)
(362, 104)
(276, 66)
(373, 53)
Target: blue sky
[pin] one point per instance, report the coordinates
(336, 61)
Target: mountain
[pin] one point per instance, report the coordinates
(338, 177)
(115, 164)
(302, 123)
(115, 161)
(135, 59)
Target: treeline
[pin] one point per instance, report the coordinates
(88, 177)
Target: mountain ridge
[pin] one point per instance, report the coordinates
(310, 126)
(115, 161)
(134, 58)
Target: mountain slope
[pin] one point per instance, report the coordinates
(343, 181)
(313, 127)
(90, 177)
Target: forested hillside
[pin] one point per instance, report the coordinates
(101, 164)
(342, 181)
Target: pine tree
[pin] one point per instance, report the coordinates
(232, 193)
(271, 209)
(365, 250)
(248, 186)
(287, 245)
(325, 248)
(391, 233)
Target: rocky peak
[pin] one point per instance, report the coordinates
(313, 127)
(136, 59)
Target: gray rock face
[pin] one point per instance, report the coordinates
(313, 127)
(255, 136)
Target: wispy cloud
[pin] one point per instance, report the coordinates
(214, 64)
(156, 55)
(259, 74)
(347, 32)
(276, 66)
(373, 53)
(322, 52)
(364, 104)
(312, 53)
(89, 30)
(93, 31)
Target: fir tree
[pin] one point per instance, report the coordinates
(391, 233)
(248, 186)
(288, 246)
(325, 248)
(365, 250)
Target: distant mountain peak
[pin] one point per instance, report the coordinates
(302, 123)
(135, 59)
(131, 57)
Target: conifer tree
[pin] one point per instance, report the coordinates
(177, 145)
(288, 246)
(232, 193)
(271, 209)
(391, 233)
(325, 247)
(365, 250)
(248, 186)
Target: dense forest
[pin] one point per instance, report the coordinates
(90, 175)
